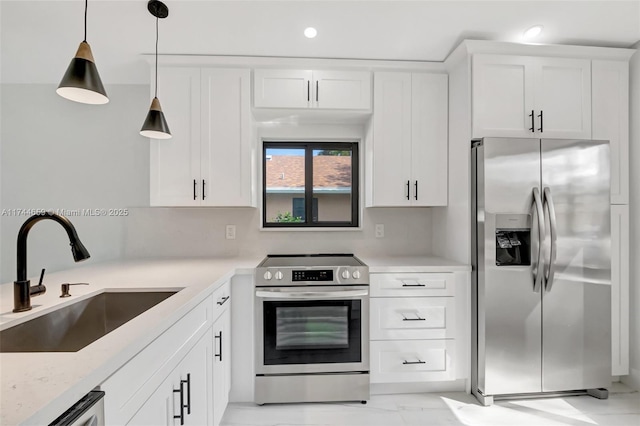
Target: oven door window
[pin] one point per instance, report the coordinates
(312, 332)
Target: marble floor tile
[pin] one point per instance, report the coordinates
(443, 409)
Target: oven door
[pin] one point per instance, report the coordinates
(312, 329)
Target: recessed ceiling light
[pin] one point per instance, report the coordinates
(310, 32)
(532, 32)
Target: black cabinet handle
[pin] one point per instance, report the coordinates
(413, 285)
(533, 124)
(194, 189)
(203, 189)
(416, 190)
(419, 361)
(408, 190)
(413, 319)
(181, 391)
(224, 300)
(316, 91)
(308, 90)
(541, 125)
(188, 382)
(220, 354)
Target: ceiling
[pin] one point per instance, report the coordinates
(38, 38)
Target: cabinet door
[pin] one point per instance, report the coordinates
(282, 88)
(221, 365)
(197, 390)
(610, 120)
(187, 385)
(391, 139)
(563, 97)
(620, 290)
(226, 154)
(502, 96)
(158, 409)
(429, 112)
(341, 90)
(175, 162)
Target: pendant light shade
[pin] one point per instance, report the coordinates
(155, 125)
(81, 83)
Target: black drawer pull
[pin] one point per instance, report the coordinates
(413, 319)
(419, 361)
(413, 285)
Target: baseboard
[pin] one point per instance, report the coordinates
(633, 379)
(396, 388)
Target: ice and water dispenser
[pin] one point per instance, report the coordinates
(513, 239)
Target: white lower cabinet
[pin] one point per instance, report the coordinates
(183, 377)
(183, 397)
(620, 290)
(398, 361)
(413, 327)
(221, 364)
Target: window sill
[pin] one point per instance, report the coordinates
(312, 229)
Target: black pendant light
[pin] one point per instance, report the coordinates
(155, 125)
(81, 83)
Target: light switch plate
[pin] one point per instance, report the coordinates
(379, 230)
(230, 232)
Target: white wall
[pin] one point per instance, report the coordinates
(58, 154)
(168, 232)
(634, 218)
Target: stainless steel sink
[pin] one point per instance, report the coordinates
(73, 327)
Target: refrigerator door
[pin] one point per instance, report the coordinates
(508, 304)
(577, 295)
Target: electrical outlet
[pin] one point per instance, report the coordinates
(379, 230)
(230, 232)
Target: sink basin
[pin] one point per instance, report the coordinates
(73, 327)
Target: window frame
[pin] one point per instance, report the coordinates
(309, 147)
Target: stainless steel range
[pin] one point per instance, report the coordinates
(312, 329)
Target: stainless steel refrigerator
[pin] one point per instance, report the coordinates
(541, 244)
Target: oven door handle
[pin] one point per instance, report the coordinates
(265, 294)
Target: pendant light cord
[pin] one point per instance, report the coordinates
(156, 91)
(86, 4)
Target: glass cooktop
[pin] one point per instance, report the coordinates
(310, 260)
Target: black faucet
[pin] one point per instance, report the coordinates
(22, 290)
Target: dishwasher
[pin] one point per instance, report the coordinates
(89, 411)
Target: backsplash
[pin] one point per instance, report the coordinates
(198, 232)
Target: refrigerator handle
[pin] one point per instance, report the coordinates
(537, 283)
(550, 270)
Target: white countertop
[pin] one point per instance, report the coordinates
(380, 264)
(35, 388)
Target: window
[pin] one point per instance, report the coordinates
(310, 184)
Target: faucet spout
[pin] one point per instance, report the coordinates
(22, 290)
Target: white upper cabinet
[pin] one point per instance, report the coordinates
(175, 162)
(349, 90)
(409, 153)
(525, 96)
(208, 161)
(226, 148)
(610, 100)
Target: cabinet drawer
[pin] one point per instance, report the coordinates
(412, 361)
(412, 284)
(412, 318)
(221, 299)
(129, 387)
